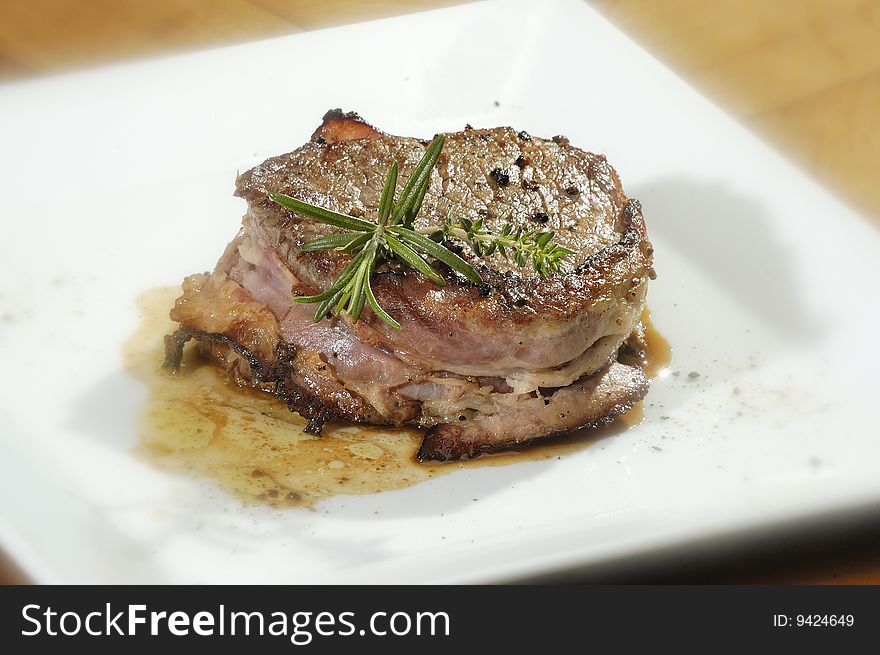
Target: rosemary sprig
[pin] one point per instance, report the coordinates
(392, 237)
(513, 243)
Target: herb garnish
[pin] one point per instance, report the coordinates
(392, 237)
(524, 245)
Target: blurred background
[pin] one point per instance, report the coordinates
(803, 74)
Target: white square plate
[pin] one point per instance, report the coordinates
(119, 179)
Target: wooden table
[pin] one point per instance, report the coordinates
(805, 74)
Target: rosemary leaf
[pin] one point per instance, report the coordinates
(340, 241)
(359, 296)
(437, 251)
(414, 190)
(374, 305)
(343, 299)
(386, 203)
(412, 259)
(343, 279)
(357, 244)
(322, 215)
(543, 239)
(323, 308)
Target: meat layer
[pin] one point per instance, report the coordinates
(483, 367)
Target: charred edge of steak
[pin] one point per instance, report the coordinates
(175, 342)
(297, 398)
(446, 442)
(339, 126)
(633, 236)
(337, 114)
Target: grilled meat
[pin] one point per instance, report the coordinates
(482, 367)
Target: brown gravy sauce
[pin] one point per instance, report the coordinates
(196, 422)
(659, 352)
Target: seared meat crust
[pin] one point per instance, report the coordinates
(483, 367)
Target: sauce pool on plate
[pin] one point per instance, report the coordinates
(197, 422)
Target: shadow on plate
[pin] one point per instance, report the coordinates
(732, 240)
(811, 549)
